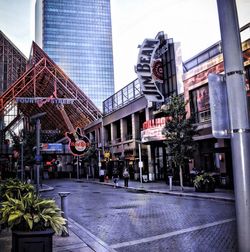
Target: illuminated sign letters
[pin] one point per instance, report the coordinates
(144, 70)
(78, 144)
(42, 100)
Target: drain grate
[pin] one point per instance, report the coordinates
(124, 207)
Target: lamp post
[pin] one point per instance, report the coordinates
(38, 157)
(22, 170)
(99, 160)
(140, 163)
(77, 167)
(140, 160)
(239, 119)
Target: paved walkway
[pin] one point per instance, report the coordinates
(79, 237)
(163, 188)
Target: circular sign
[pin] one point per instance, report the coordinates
(80, 145)
(157, 70)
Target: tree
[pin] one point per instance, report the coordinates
(90, 157)
(179, 132)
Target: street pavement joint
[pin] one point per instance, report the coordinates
(90, 239)
(167, 235)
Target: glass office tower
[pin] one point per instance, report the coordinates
(77, 35)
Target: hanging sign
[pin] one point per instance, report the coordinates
(149, 70)
(78, 143)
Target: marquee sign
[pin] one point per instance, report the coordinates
(152, 129)
(42, 100)
(51, 147)
(149, 70)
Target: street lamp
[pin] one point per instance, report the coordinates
(140, 161)
(38, 157)
(22, 170)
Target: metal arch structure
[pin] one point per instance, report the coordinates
(12, 62)
(43, 78)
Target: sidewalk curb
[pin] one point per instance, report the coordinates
(49, 188)
(173, 193)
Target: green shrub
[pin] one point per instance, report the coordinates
(204, 182)
(14, 188)
(21, 209)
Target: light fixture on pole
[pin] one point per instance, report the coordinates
(140, 163)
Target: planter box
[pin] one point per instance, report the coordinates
(205, 188)
(32, 241)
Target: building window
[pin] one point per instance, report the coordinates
(199, 104)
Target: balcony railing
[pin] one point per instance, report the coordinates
(123, 97)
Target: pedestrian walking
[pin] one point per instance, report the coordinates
(126, 177)
(115, 177)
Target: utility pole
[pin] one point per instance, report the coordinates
(238, 115)
(38, 156)
(22, 168)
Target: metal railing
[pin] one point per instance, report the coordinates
(123, 97)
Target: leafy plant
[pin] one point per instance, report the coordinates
(179, 132)
(13, 188)
(25, 211)
(204, 182)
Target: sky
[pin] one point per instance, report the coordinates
(193, 23)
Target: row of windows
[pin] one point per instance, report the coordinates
(90, 81)
(98, 78)
(94, 48)
(101, 22)
(77, 4)
(98, 74)
(72, 57)
(82, 58)
(87, 69)
(72, 8)
(78, 35)
(78, 18)
(78, 29)
(102, 90)
(61, 40)
(78, 44)
(76, 15)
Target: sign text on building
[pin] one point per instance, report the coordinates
(42, 100)
(146, 59)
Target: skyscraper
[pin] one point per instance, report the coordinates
(77, 35)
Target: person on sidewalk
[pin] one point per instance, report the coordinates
(126, 177)
(115, 177)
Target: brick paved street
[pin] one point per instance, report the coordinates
(125, 220)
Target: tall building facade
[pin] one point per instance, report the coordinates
(77, 35)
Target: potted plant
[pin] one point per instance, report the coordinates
(32, 219)
(14, 187)
(204, 183)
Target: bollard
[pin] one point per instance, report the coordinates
(170, 182)
(64, 207)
